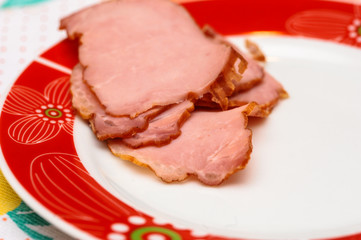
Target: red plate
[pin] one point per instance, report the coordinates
(40, 159)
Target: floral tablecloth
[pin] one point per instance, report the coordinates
(27, 28)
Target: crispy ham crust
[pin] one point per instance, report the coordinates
(103, 125)
(266, 95)
(212, 146)
(255, 86)
(225, 84)
(157, 126)
(255, 51)
(243, 73)
(164, 128)
(109, 127)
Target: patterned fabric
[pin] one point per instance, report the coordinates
(18, 221)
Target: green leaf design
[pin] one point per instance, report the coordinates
(20, 3)
(24, 217)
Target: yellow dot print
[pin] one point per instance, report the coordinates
(9, 200)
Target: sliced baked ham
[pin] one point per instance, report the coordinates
(138, 54)
(253, 75)
(143, 63)
(163, 128)
(266, 95)
(255, 51)
(104, 125)
(212, 146)
(249, 75)
(227, 81)
(157, 126)
(107, 127)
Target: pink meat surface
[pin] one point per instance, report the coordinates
(157, 126)
(104, 126)
(251, 76)
(212, 146)
(107, 127)
(266, 94)
(139, 54)
(163, 128)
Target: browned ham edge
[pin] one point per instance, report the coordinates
(158, 126)
(253, 72)
(252, 76)
(240, 76)
(224, 86)
(255, 86)
(103, 125)
(109, 127)
(163, 128)
(255, 51)
(266, 95)
(212, 146)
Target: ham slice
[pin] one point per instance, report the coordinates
(134, 59)
(266, 95)
(256, 84)
(249, 75)
(255, 51)
(103, 125)
(143, 64)
(212, 146)
(253, 75)
(107, 127)
(227, 81)
(157, 126)
(163, 128)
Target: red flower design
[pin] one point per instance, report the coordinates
(42, 115)
(328, 24)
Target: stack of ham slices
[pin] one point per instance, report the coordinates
(165, 94)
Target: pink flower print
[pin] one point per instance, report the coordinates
(327, 24)
(43, 116)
